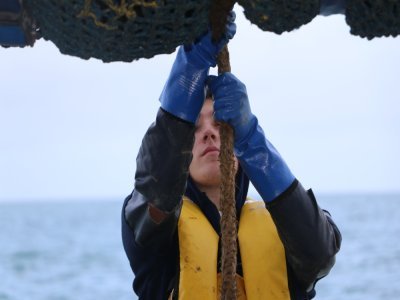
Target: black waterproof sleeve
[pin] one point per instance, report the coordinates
(151, 244)
(160, 180)
(310, 237)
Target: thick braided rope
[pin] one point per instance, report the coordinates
(228, 218)
(218, 14)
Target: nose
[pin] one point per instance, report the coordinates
(210, 133)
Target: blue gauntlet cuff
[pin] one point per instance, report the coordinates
(264, 166)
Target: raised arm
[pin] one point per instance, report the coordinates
(150, 214)
(152, 209)
(310, 237)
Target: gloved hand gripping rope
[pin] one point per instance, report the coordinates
(218, 16)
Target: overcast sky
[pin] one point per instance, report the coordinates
(329, 101)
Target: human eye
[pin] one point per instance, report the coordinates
(217, 124)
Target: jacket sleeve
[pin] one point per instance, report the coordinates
(160, 180)
(310, 237)
(150, 241)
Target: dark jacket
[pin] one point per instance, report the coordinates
(309, 236)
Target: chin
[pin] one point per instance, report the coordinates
(205, 172)
(207, 176)
(213, 175)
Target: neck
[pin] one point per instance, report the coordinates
(212, 192)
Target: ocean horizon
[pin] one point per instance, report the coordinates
(67, 250)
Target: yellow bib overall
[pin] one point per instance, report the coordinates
(262, 255)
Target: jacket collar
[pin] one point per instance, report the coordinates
(208, 208)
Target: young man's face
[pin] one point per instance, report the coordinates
(204, 168)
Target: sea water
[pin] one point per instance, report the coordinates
(72, 250)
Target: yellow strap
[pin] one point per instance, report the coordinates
(198, 246)
(263, 255)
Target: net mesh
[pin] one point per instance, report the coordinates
(376, 18)
(121, 30)
(279, 16)
(126, 30)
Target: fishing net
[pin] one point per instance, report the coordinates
(125, 30)
(122, 30)
(279, 16)
(373, 18)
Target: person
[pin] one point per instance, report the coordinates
(170, 222)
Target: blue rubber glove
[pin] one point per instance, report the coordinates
(183, 94)
(260, 160)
